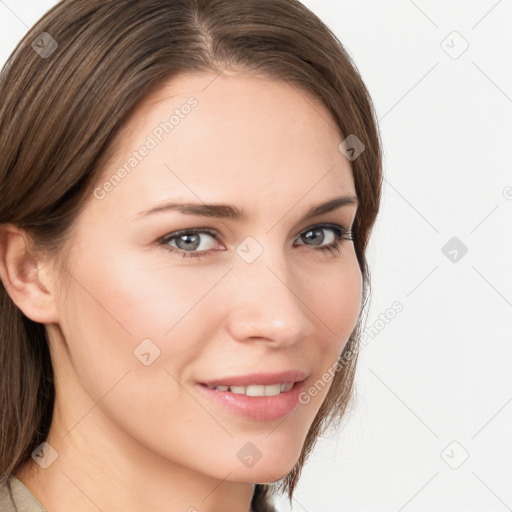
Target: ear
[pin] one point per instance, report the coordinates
(26, 278)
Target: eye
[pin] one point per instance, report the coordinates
(194, 242)
(190, 240)
(332, 242)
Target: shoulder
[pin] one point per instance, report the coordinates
(16, 497)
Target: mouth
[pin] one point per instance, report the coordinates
(256, 402)
(255, 389)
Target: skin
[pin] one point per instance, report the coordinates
(130, 436)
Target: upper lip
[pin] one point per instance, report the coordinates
(262, 379)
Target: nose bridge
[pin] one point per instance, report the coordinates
(264, 301)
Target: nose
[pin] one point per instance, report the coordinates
(267, 304)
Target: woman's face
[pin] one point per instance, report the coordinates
(144, 321)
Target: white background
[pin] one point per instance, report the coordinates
(434, 383)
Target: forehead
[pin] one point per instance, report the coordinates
(215, 138)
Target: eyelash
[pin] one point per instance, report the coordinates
(341, 234)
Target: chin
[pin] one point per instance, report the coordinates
(264, 475)
(264, 471)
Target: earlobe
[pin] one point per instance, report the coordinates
(24, 278)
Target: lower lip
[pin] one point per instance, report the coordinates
(258, 408)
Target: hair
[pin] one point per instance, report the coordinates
(59, 116)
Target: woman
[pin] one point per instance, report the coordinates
(187, 192)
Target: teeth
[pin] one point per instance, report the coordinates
(239, 390)
(287, 386)
(256, 390)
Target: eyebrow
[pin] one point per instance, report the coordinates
(224, 211)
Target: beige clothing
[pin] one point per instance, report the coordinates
(22, 498)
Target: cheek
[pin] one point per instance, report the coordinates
(138, 295)
(335, 298)
(116, 305)
(337, 305)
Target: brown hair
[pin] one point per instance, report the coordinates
(61, 110)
